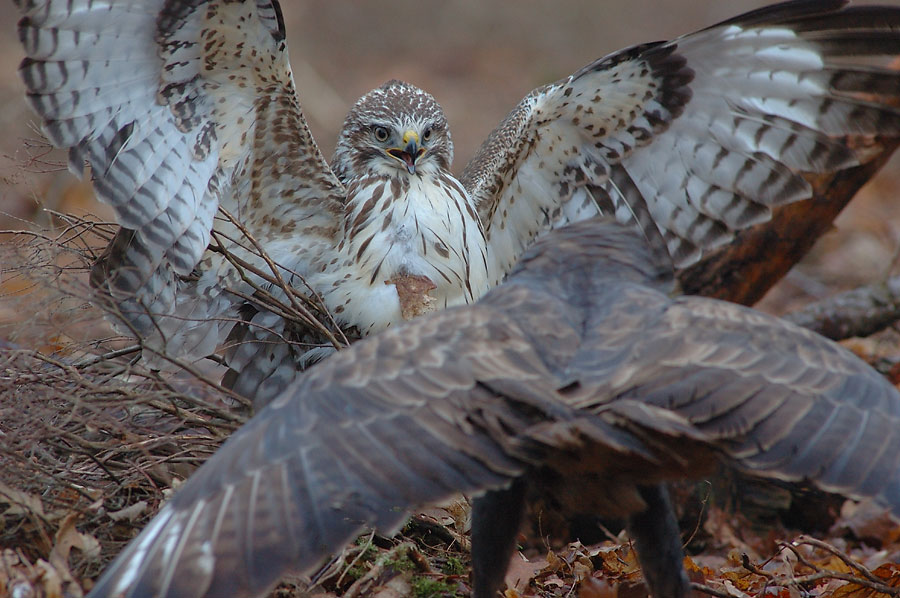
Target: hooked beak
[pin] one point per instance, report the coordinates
(410, 152)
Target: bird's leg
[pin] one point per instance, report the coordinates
(658, 542)
(496, 519)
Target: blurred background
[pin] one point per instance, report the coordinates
(478, 58)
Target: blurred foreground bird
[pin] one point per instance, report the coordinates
(580, 378)
(188, 115)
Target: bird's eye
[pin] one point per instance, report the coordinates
(426, 134)
(381, 133)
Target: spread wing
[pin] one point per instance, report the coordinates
(181, 108)
(305, 475)
(698, 137)
(580, 349)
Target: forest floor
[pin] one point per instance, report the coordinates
(90, 447)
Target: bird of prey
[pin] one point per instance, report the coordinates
(187, 113)
(580, 377)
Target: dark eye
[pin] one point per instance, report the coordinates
(426, 134)
(381, 133)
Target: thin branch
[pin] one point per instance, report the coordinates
(109, 355)
(276, 271)
(862, 311)
(699, 587)
(864, 571)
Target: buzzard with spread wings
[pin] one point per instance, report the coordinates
(187, 113)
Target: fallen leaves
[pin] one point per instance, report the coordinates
(51, 577)
(594, 571)
(802, 568)
(888, 574)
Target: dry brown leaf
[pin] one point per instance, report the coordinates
(867, 521)
(740, 578)
(592, 587)
(554, 562)
(56, 578)
(727, 531)
(521, 571)
(50, 578)
(693, 568)
(889, 573)
(396, 587)
(618, 562)
(16, 575)
(129, 513)
(836, 564)
(733, 590)
(582, 569)
(552, 581)
(20, 503)
(68, 537)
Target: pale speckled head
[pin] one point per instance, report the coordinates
(392, 129)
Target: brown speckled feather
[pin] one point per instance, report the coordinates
(696, 138)
(181, 108)
(581, 362)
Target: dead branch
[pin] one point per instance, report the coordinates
(699, 587)
(859, 312)
(864, 571)
(305, 316)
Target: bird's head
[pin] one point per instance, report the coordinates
(396, 128)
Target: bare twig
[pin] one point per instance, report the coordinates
(867, 578)
(860, 312)
(864, 571)
(276, 270)
(699, 587)
(359, 555)
(749, 566)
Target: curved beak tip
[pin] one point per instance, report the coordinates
(412, 154)
(408, 155)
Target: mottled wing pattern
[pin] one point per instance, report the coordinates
(698, 137)
(181, 107)
(317, 465)
(776, 399)
(581, 351)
